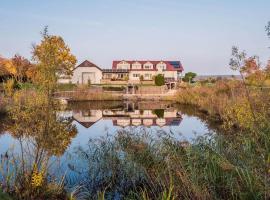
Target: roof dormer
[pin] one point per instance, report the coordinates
(148, 65)
(136, 65)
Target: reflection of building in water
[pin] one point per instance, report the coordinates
(129, 116)
(64, 115)
(157, 117)
(87, 117)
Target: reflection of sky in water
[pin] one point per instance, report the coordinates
(189, 129)
(7, 143)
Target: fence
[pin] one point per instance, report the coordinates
(151, 90)
(88, 94)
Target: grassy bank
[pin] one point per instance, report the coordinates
(231, 102)
(4, 196)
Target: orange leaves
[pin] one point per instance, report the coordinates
(53, 59)
(17, 67)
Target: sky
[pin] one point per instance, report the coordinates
(199, 33)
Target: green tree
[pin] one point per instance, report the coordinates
(189, 77)
(159, 80)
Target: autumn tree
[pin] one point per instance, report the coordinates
(3, 70)
(41, 135)
(53, 59)
(18, 66)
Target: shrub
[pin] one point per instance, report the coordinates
(9, 87)
(141, 78)
(159, 113)
(159, 80)
(189, 77)
(126, 78)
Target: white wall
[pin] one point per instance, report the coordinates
(64, 80)
(161, 66)
(141, 73)
(123, 65)
(170, 74)
(77, 77)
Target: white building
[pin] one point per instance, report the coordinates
(86, 73)
(148, 69)
(134, 71)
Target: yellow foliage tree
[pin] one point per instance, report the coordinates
(53, 59)
(17, 67)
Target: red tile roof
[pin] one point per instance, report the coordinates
(87, 63)
(170, 67)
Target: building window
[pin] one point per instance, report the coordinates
(123, 66)
(147, 66)
(136, 75)
(161, 67)
(136, 66)
(120, 76)
(148, 76)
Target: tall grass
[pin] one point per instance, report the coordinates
(228, 102)
(137, 165)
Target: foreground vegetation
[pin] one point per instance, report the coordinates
(135, 164)
(138, 165)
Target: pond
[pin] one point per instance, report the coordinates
(93, 127)
(96, 119)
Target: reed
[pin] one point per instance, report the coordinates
(137, 165)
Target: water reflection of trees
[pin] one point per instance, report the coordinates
(41, 134)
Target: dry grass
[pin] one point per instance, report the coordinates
(228, 101)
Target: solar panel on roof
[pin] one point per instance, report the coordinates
(175, 64)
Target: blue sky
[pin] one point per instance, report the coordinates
(200, 33)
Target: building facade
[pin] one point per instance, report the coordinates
(87, 73)
(147, 70)
(133, 71)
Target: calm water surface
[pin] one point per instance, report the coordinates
(95, 120)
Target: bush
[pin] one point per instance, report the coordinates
(189, 77)
(9, 87)
(126, 78)
(141, 78)
(66, 86)
(89, 83)
(159, 113)
(159, 80)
